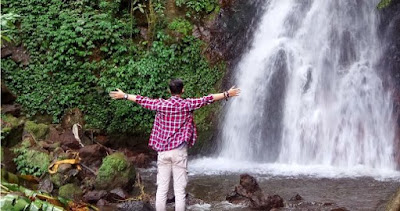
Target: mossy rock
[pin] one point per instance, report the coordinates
(57, 179)
(30, 161)
(11, 130)
(39, 131)
(115, 171)
(70, 191)
(394, 202)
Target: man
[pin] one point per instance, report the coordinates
(173, 131)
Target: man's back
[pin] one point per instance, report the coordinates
(173, 123)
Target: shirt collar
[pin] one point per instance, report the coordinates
(175, 97)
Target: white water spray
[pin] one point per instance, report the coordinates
(311, 94)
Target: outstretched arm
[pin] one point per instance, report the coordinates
(119, 94)
(232, 92)
(196, 103)
(145, 102)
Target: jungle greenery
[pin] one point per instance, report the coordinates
(82, 49)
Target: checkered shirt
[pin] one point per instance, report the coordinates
(174, 123)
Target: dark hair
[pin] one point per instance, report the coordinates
(176, 86)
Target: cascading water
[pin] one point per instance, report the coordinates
(311, 94)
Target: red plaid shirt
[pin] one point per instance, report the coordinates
(174, 123)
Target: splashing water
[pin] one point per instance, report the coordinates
(311, 94)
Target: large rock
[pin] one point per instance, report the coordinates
(12, 109)
(115, 171)
(248, 191)
(94, 196)
(394, 203)
(11, 129)
(39, 131)
(70, 191)
(71, 117)
(135, 206)
(68, 141)
(7, 97)
(92, 155)
(18, 54)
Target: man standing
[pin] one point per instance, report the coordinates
(173, 132)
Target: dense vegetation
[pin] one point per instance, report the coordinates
(81, 49)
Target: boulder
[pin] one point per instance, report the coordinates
(11, 129)
(135, 206)
(248, 191)
(94, 196)
(55, 133)
(12, 109)
(18, 54)
(394, 202)
(115, 171)
(38, 131)
(46, 185)
(92, 155)
(70, 191)
(116, 194)
(68, 141)
(7, 97)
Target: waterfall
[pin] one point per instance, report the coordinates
(311, 91)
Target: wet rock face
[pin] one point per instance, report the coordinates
(390, 33)
(232, 31)
(248, 192)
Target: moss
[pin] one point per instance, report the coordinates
(2, 154)
(30, 161)
(57, 179)
(115, 171)
(39, 131)
(11, 131)
(70, 191)
(11, 120)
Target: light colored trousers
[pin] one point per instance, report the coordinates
(175, 162)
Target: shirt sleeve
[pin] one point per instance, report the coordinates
(148, 103)
(196, 103)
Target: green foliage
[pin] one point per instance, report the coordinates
(8, 123)
(115, 171)
(181, 25)
(80, 50)
(39, 131)
(7, 23)
(198, 7)
(70, 191)
(30, 161)
(384, 3)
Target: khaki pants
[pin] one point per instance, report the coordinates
(175, 162)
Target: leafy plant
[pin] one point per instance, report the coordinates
(198, 7)
(7, 23)
(80, 50)
(181, 25)
(384, 3)
(30, 161)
